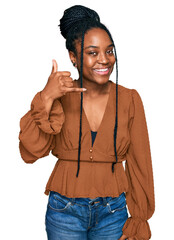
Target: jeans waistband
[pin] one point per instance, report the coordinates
(86, 201)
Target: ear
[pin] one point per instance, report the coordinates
(72, 56)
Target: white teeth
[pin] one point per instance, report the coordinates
(102, 70)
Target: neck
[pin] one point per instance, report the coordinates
(94, 89)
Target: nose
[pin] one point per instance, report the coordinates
(103, 58)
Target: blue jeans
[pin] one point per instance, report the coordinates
(85, 218)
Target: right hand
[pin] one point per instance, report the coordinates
(59, 83)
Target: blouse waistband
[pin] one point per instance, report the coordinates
(81, 161)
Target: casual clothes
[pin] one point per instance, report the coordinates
(82, 218)
(58, 132)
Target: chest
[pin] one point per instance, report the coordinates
(94, 110)
(98, 116)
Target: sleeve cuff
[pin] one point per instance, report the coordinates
(137, 228)
(51, 123)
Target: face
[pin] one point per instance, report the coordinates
(98, 56)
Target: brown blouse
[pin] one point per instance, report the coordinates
(58, 132)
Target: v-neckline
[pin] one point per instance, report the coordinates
(103, 118)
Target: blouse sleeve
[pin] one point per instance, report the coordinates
(138, 168)
(38, 129)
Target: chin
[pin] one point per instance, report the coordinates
(102, 80)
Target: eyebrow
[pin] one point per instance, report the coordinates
(91, 46)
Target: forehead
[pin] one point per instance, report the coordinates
(96, 37)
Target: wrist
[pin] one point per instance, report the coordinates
(46, 97)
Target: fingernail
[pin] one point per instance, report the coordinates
(84, 89)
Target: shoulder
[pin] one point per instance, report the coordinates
(128, 96)
(125, 90)
(122, 89)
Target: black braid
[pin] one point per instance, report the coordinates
(116, 119)
(77, 20)
(81, 85)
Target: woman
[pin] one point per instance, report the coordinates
(88, 188)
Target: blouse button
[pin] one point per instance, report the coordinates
(91, 157)
(90, 150)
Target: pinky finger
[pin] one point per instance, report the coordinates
(78, 89)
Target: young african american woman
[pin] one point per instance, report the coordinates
(91, 125)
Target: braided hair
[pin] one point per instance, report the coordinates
(76, 21)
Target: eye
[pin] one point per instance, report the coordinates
(93, 53)
(110, 52)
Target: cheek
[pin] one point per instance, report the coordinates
(113, 61)
(88, 62)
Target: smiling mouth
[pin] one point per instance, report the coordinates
(102, 71)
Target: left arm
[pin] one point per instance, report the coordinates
(140, 197)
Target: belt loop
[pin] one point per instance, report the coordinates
(104, 201)
(73, 201)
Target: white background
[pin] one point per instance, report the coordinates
(30, 39)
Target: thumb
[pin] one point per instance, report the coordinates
(54, 66)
